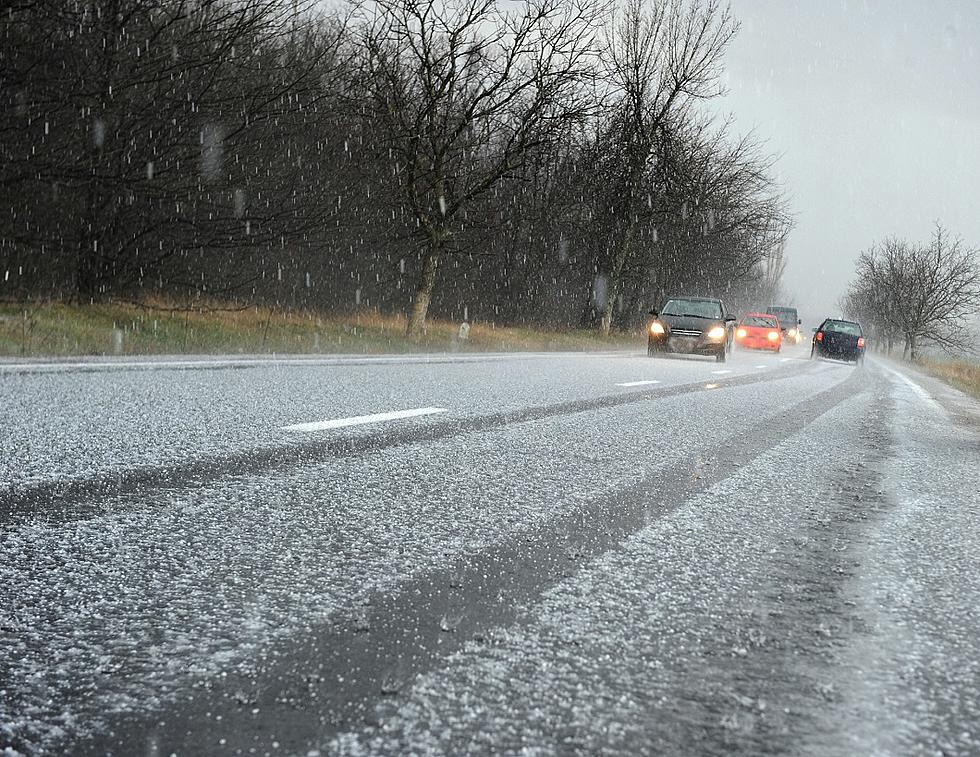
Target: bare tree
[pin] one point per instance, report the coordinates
(882, 285)
(269, 150)
(661, 57)
(134, 131)
(466, 91)
(946, 293)
(709, 218)
(925, 294)
(773, 268)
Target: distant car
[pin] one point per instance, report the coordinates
(838, 340)
(693, 325)
(759, 331)
(789, 323)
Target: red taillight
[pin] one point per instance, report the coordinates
(819, 336)
(861, 342)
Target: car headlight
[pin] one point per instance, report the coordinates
(741, 333)
(656, 328)
(773, 336)
(791, 332)
(718, 332)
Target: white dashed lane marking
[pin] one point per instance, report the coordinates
(638, 383)
(360, 420)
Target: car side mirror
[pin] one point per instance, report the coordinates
(730, 318)
(814, 329)
(654, 313)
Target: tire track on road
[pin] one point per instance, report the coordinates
(75, 499)
(304, 691)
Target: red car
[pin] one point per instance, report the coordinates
(759, 331)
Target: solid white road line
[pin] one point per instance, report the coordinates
(637, 383)
(360, 420)
(920, 392)
(722, 372)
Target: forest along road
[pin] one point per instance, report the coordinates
(565, 554)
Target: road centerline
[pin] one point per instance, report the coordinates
(361, 420)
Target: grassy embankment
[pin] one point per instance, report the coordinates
(963, 374)
(57, 329)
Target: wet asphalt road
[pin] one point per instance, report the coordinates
(569, 554)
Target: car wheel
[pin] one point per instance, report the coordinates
(652, 351)
(722, 355)
(813, 353)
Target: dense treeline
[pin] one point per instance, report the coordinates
(544, 161)
(917, 295)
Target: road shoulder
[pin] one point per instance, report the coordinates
(961, 407)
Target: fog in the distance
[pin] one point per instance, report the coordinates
(875, 109)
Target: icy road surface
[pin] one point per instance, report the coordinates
(566, 554)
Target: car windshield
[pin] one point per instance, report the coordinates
(693, 308)
(759, 320)
(786, 316)
(842, 327)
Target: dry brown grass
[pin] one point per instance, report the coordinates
(963, 374)
(160, 327)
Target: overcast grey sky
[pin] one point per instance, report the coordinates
(874, 107)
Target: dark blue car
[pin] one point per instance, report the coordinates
(839, 340)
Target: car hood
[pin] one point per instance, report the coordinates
(694, 324)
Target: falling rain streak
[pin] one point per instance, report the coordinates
(260, 174)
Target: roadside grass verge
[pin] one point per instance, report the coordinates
(159, 327)
(963, 374)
